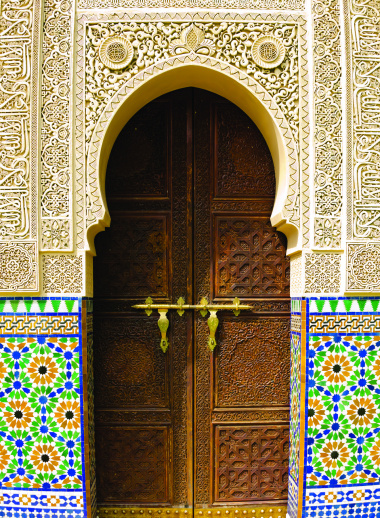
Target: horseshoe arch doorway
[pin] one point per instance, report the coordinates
(190, 187)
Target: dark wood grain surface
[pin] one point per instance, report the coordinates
(190, 188)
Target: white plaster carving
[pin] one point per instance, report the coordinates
(328, 233)
(18, 267)
(230, 43)
(365, 41)
(328, 121)
(55, 234)
(15, 93)
(281, 83)
(322, 273)
(62, 273)
(55, 171)
(296, 275)
(268, 52)
(192, 39)
(116, 52)
(194, 4)
(363, 272)
(154, 42)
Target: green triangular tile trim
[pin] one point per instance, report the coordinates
(41, 304)
(56, 304)
(375, 304)
(334, 305)
(320, 304)
(2, 304)
(14, 304)
(348, 304)
(28, 305)
(69, 305)
(362, 304)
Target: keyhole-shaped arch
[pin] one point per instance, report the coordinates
(209, 74)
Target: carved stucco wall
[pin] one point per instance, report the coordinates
(52, 133)
(226, 48)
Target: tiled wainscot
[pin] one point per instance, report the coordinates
(339, 453)
(42, 398)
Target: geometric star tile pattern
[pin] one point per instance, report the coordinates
(343, 409)
(341, 423)
(41, 408)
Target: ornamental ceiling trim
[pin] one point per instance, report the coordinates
(159, 32)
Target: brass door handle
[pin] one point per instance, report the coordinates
(203, 307)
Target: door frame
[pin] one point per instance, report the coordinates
(235, 85)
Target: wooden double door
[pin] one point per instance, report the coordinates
(190, 188)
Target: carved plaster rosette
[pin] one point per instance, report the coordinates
(363, 272)
(268, 52)
(116, 52)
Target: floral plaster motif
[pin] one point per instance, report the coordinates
(328, 123)
(363, 272)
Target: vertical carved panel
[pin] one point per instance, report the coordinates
(139, 389)
(202, 278)
(181, 285)
(134, 464)
(249, 258)
(251, 463)
(244, 165)
(250, 370)
(56, 188)
(136, 263)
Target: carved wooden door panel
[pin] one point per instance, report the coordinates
(241, 390)
(190, 187)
